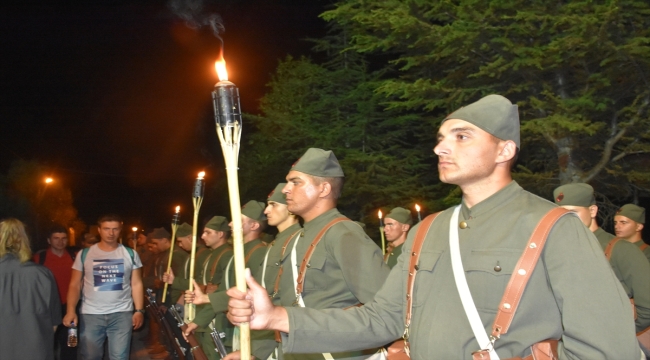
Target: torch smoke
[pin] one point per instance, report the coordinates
(195, 16)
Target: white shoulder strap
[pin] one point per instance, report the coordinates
(463, 289)
(294, 272)
(266, 260)
(228, 272)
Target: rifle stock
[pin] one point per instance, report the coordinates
(195, 348)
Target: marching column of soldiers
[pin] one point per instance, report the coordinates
(322, 289)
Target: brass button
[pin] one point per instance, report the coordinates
(308, 265)
(497, 268)
(277, 264)
(463, 225)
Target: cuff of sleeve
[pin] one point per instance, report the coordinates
(287, 341)
(204, 316)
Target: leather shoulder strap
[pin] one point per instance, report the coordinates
(610, 247)
(252, 251)
(216, 262)
(276, 286)
(310, 252)
(420, 236)
(643, 247)
(523, 270)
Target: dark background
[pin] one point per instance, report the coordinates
(113, 97)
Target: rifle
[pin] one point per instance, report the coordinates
(195, 348)
(219, 346)
(178, 352)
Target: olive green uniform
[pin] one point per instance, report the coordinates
(394, 255)
(633, 271)
(263, 342)
(182, 280)
(160, 267)
(572, 293)
(645, 251)
(346, 269)
(219, 300)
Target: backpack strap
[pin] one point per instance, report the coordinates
(418, 241)
(610, 247)
(310, 251)
(41, 256)
(523, 270)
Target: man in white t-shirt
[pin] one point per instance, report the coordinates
(111, 286)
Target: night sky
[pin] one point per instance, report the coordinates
(114, 96)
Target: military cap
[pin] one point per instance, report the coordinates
(319, 162)
(184, 229)
(277, 195)
(254, 210)
(632, 212)
(400, 215)
(218, 223)
(580, 194)
(160, 233)
(494, 114)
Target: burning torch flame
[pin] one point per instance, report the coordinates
(220, 66)
(178, 209)
(417, 207)
(379, 214)
(134, 229)
(201, 175)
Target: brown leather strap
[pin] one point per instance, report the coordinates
(523, 270)
(420, 236)
(310, 252)
(389, 250)
(252, 251)
(276, 286)
(214, 266)
(610, 247)
(643, 247)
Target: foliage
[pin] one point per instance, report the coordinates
(579, 71)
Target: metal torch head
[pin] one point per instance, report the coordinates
(225, 98)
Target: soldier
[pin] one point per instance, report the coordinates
(263, 343)
(160, 238)
(628, 224)
(396, 226)
(476, 148)
(346, 268)
(253, 224)
(630, 265)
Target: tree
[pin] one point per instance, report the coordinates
(39, 204)
(579, 71)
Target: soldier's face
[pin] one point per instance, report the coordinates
(301, 192)
(466, 154)
(393, 229)
(210, 237)
(276, 213)
(185, 243)
(626, 227)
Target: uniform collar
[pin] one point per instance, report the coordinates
(489, 205)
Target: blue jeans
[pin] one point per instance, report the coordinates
(94, 329)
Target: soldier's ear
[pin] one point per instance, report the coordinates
(326, 189)
(507, 152)
(593, 211)
(639, 226)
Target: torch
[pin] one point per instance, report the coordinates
(228, 120)
(135, 238)
(381, 231)
(197, 199)
(171, 249)
(417, 208)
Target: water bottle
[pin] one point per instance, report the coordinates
(72, 335)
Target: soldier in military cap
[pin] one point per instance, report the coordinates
(630, 265)
(160, 238)
(628, 224)
(181, 281)
(396, 226)
(477, 146)
(253, 224)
